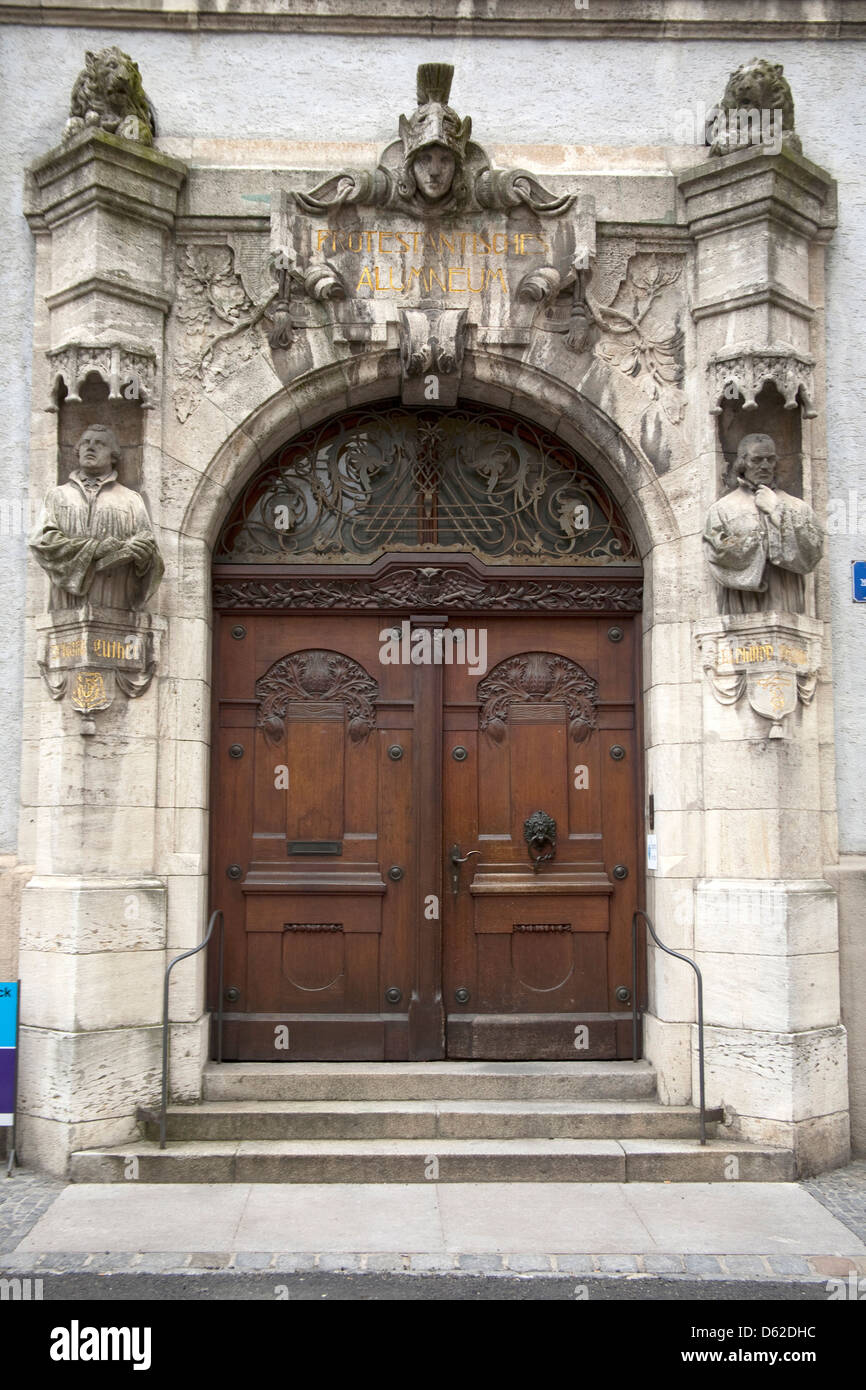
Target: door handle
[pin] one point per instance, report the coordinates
(456, 860)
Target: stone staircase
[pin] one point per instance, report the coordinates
(406, 1122)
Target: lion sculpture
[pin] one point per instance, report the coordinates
(108, 94)
(760, 87)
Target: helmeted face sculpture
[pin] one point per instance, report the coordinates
(434, 141)
(434, 169)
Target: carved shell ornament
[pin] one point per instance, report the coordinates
(538, 676)
(322, 676)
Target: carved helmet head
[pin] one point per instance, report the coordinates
(433, 123)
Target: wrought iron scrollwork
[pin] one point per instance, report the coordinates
(414, 480)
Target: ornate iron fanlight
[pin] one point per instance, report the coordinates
(409, 480)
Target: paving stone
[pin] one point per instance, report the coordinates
(702, 1264)
(155, 1261)
(481, 1264)
(617, 1264)
(433, 1264)
(113, 1264)
(836, 1265)
(209, 1259)
(528, 1264)
(294, 1264)
(387, 1264)
(745, 1264)
(664, 1264)
(574, 1264)
(843, 1192)
(252, 1259)
(352, 1264)
(789, 1264)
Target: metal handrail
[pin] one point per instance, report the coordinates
(679, 955)
(183, 956)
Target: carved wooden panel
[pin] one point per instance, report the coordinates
(535, 678)
(318, 676)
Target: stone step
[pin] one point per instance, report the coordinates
(392, 1081)
(425, 1119)
(443, 1160)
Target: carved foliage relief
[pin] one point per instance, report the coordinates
(217, 323)
(533, 677)
(321, 676)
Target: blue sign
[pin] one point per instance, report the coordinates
(858, 580)
(8, 1040)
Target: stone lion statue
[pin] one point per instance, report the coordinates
(108, 94)
(758, 86)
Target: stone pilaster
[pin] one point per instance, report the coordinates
(94, 915)
(765, 928)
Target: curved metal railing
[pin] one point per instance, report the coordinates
(679, 956)
(184, 955)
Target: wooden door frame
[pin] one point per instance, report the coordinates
(410, 585)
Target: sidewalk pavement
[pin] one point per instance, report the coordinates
(793, 1236)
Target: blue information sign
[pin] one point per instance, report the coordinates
(858, 580)
(8, 1041)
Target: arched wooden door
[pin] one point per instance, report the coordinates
(426, 776)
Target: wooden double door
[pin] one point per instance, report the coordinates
(426, 846)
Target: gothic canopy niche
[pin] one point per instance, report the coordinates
(402, 479)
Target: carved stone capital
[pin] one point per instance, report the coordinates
(129, 372)
(743, 371)
(773, 659)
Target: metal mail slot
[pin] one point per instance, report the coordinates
(314, 847)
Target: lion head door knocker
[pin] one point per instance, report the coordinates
(540, 830)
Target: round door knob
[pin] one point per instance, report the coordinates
(459, 754)
(617, 752)
(462, 995)
(396, 873)
(234, 871)
(623, 994)
(620, 871)
(395, 752)
(236, 750)
(232, 994)
(393, 995)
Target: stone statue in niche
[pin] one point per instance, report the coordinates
(94, 538)
(759, 542)
(108, 95)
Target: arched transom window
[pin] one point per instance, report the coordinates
(398, 479)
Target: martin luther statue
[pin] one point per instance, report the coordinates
(94, 538)
(759, 542)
